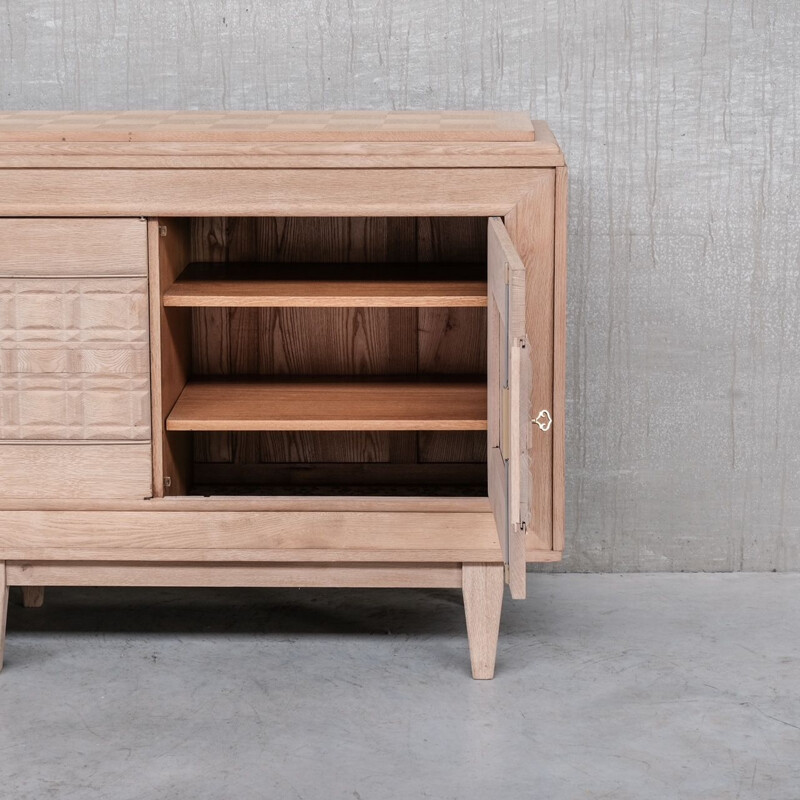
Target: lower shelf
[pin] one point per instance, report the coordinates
(271, 405)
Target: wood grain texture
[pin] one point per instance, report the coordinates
(32, 596)
(170, 354)
(32, 576)
(253, 192)
(531, 227)
(39, 471)
(262, 536)
(560, 357)
(62, 248)
(483, 601)
(328, 406)
(314, 286)
(266, 126)
(73, 355)
(358, 342)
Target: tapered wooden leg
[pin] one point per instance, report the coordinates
(3, 609)
(482, 585)
(33, 596)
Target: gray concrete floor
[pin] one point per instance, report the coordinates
(637, 686)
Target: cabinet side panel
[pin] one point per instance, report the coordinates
(531, 225)
(559, 356)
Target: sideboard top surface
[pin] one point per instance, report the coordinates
(254, 139)
(266, 126)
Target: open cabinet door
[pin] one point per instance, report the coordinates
(509, 373)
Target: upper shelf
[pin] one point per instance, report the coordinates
(308, 285)
(334, 405)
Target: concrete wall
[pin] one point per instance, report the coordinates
(680, 123)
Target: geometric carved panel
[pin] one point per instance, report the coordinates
(73, 311)
(88, 407)
(74, 359)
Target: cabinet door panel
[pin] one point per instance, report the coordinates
(509, 387)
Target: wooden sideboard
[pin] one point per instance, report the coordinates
(282, 349)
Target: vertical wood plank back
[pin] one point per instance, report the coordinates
(365, 341)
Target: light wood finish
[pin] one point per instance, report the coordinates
(254, 192)
(37, 471)
(3, 610)
(508, 280)
(32, 596)
(559, 356)
(531, 226)
(373, 189)
(328, 406)
(160, 505)
(405, 536)
(72, 248)
(73, 358)
(483, 601)
(34, 575)
(170, 354)
(266, 126)
(310, 286)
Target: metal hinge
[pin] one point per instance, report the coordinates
(167, 482)
(162, 231)
(506, 573)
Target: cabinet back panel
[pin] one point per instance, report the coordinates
(338, 341)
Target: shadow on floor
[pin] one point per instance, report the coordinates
(239, 611)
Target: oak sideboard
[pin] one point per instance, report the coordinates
(267, 349)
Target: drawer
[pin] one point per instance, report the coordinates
(75, 471)
(73, 247)
(72, 312)
(74, 406)
(74, 359)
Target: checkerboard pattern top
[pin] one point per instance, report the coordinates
(266, 126)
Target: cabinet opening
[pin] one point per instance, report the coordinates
(324, 356)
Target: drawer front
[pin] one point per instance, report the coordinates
(72, 247)
(74, 359)
(75, 471)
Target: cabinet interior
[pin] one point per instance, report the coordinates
(324, 356)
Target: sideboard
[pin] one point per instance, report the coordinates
(282, 349)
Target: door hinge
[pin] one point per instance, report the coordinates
(167, 482)
(162, 231)
(507, 273)
(506, 573)
(505, 401)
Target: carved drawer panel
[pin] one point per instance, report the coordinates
(73, 311)
(74, 359)
(62, 406)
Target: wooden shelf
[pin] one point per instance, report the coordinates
(312, 286)
(329, 406)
